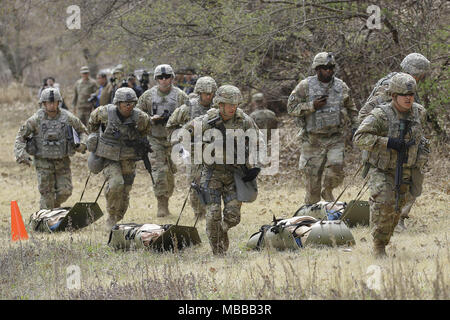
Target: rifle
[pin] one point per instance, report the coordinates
(142, 147)
(402, 157)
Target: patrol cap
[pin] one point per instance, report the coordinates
(323, 59)
(415, 64)
(402, 83)
(84, 69)
(124, 95)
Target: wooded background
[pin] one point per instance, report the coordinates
(257, 45)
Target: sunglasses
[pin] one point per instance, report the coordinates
(326, 67)
(129, 104)
(410, 94)
(164, 76)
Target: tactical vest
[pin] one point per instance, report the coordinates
(327, 119)
(114, 143)
(239, 121)
(196, 109)
(52, 138)
(387, 159)
(167, 103)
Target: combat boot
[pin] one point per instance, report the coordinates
(110, 222)
(327, 195)
(400, 225)
(163, 207)
(379, 249)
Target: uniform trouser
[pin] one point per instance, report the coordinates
(163, 168)
(383, 215)
(194, 173)
(54, 181)
(120, 176)
(319, 162)
(83, 113)
(220, 184)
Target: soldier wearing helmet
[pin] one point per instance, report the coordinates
(48, 136)
(324, 110)
(199, 103)
(84, 88)
(122, 125)
(265, 119)
(415, 65)
(159, 102)
(379, 135)
(217, 181)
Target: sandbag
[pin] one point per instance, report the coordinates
(353, 213)
(77, 217)
(283, 234)
(298, 232)
(152, 236)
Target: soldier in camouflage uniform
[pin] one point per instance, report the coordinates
(379, 135)
(264, 118)
(159, 103)
(217, 180)
(324, 108)
(123, 124)
(417, 66)
(84, 88)
(48, 136)
(198, 104)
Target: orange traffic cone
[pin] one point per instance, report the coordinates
(18, 231)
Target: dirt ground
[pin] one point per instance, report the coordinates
(417, 266)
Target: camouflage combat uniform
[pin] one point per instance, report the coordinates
(82, 92)
(373, 135)
(414, 64)
(114, 146)
(218, 179)
(181, 116)
(322, 134)
(52, 150)
(154, 102)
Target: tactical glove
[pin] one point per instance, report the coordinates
(353, 132)
(320, 102)
(26, 160)
(81, 148)
(396, 144)
(251, 174)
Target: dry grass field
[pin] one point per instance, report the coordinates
(417, 266)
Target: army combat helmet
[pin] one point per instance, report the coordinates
(124, 95)
(323, 59)
(50, 94)
(163, 69)
(415, 64)
(228, 94)
(402, 83)
(206, 85)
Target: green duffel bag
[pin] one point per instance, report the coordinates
(283, 234)
(157, 237)
(298, 232)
